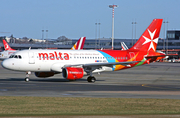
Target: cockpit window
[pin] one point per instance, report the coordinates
(19, 56)
(11, 56)
(16, 56)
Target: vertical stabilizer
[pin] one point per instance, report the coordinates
(124, 46)
(149, 39)
(6, 46)
(80, 44)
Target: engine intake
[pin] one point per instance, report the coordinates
(72, 73)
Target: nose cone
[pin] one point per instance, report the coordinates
(6, 64)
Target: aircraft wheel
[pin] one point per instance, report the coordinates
(26, 79)
(88, 79)
(91, 79)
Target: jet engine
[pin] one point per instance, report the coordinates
(72, 73)
(44, 74)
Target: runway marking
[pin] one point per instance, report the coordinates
(129, 92)
(148, 86)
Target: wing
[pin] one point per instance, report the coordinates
(97, 65)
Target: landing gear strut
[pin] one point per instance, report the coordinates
(27, 76)
(91, 79)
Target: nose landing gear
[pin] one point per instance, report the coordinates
(27, 76)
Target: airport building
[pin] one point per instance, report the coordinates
(170, 44)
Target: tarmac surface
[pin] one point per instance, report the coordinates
(155, 80)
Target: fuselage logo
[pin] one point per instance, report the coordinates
(53, 56)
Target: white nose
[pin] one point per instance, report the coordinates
(5, 64)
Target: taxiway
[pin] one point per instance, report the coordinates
(155, 80)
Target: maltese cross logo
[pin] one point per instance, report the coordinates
(152, 40)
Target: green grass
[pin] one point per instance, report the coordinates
(45, 106)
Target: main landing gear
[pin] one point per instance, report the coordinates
(91, 79)
(27, 76)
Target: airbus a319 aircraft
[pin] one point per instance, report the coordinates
(74, 64)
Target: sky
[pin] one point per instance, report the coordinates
(76, 18)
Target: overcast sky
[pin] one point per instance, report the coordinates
(76, 18)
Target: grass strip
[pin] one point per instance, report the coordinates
(49, 106)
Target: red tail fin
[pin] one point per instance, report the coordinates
(6, 46)
(149, 39)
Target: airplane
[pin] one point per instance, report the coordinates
(8, 50)
(74, 64)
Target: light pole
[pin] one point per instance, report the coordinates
(99, 34)
(167, 39)
(135, 30)
(96, 35)
(46, 39)
(132, 33)
(113, 6)
(164, 36)
(97, 45)
(42, 34)
(43, 38)
(134, 23)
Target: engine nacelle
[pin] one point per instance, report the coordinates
(44, 74)
(72, 73)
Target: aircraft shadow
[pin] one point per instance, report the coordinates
(46, 80)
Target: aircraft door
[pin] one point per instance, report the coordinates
(31, 58)
(132, 56)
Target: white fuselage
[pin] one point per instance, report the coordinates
(53, 60)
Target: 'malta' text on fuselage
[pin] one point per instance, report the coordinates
(53, 56)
